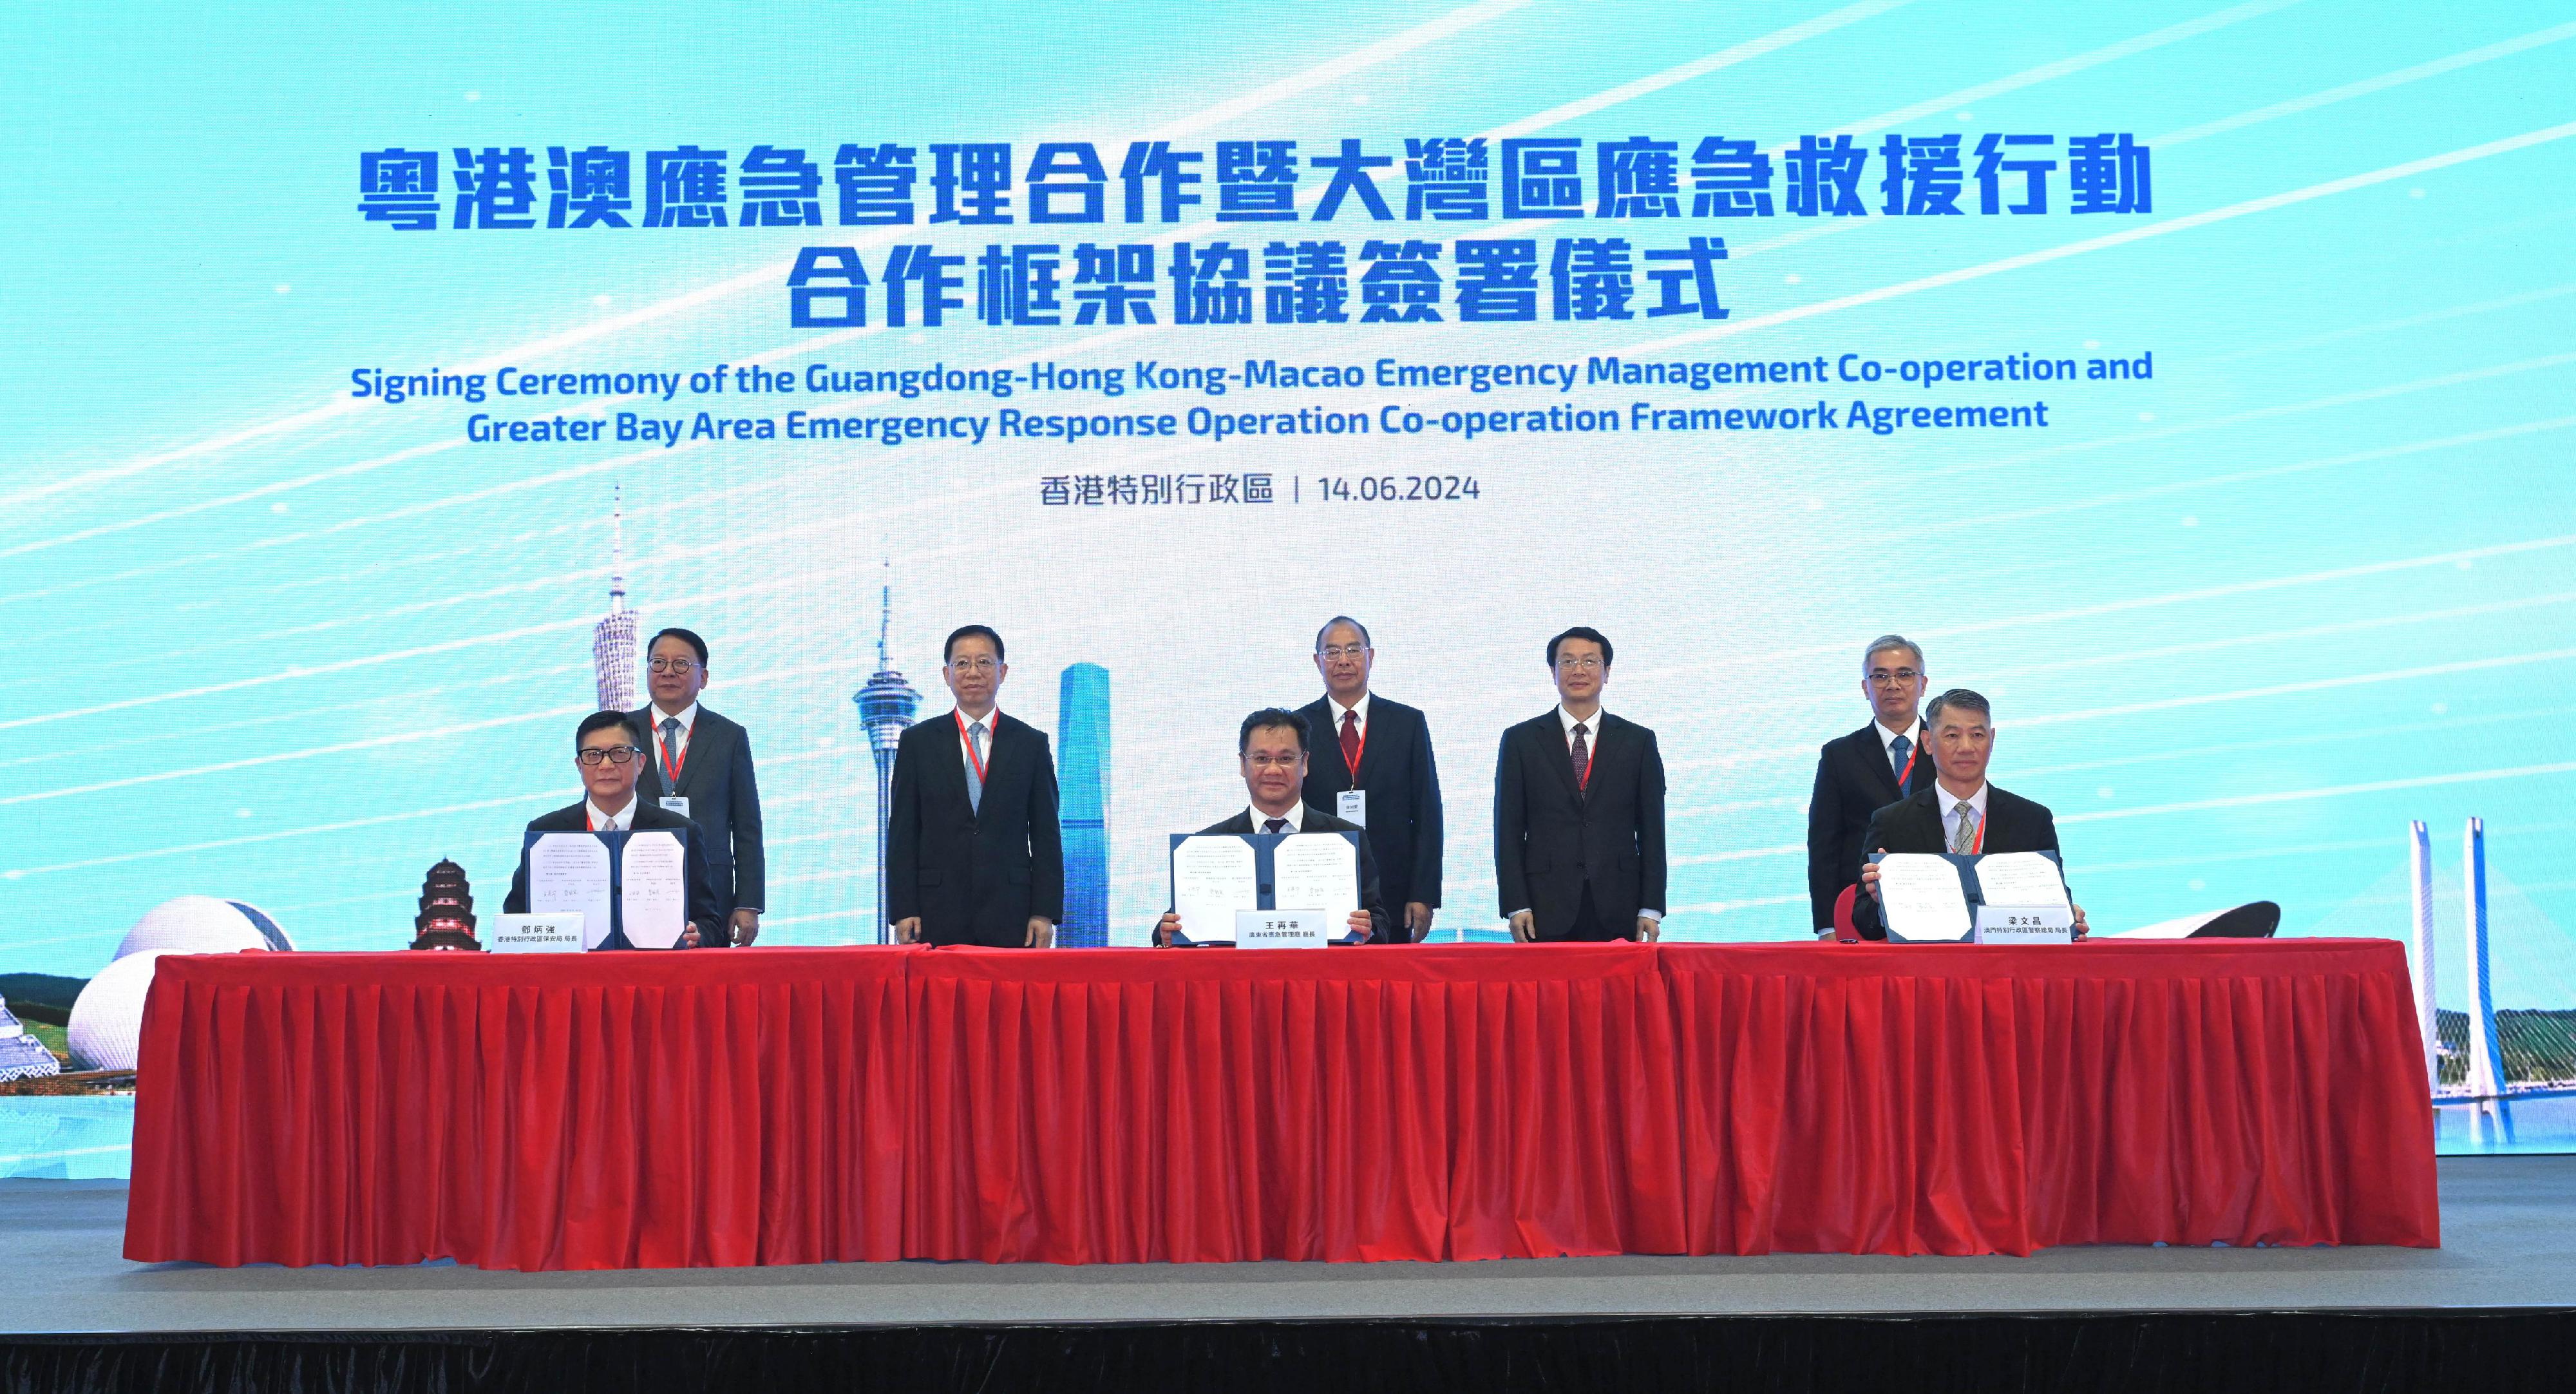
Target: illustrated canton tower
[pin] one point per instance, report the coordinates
(612, 640)
(886, 706)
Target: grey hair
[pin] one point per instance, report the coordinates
(1963, 699)
(1341, 619)
(1884, 642)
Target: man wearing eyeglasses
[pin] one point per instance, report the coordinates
(609, 755)
(1861, 773)
(1372, 764)
(699, 767)
(1271, 744)
(974, 852)
(1579, 811)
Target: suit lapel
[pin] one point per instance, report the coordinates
(994, 740)
(1551, 738)
(705, 746)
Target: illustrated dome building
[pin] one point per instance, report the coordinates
(203, 924)
(107, 1019)
(22, 1056)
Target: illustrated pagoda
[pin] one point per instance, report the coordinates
(446, 919)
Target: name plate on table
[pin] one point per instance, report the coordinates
(2025, 924)
(1280, 929)
(558, 933)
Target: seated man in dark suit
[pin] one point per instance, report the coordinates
(1859, 774)
(608, 754)
(1961, 812)
(1272, 745)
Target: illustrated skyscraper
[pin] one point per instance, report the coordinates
(612, 640)
(1082, 776)
(886, 706)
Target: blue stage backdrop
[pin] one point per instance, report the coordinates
(2192, 379)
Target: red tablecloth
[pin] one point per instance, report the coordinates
(798, 1105)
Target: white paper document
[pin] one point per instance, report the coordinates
(1317, 871)
(1922, 897)
(1213, 877)
(654, 876)
(568, 872)
(2020, 878)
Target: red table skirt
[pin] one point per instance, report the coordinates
(804, 1105)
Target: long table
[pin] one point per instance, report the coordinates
(773, 1105)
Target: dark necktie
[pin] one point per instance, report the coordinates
(1897, 750)
(1275, 825)
(1582, 759)
(671, 755)
(1351, 743)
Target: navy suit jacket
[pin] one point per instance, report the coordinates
(724, 801)
(1853, 780)
(703, 909)
(1403, 787)
(2013, 824)
(974, 874)
(1382, 927)
(1552, 841)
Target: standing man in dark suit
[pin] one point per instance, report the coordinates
(1961, 812)
(701, 770)
(608, 754)
(1272, 746)
(973, 851)
(1859, 774)
(1579, 811)
(1374, 756)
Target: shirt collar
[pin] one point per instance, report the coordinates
(655, 715)
(1591, 724)
(1296, 816)
(1361, 706)
(990, 719)
(1887, 738)
(601, 822)
(1977, 800)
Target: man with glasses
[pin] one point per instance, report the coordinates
(1861, 773)
(1272, 747)
(700, 769)
(609, 755)
(1372, 757)
(1579, 811)
(974, 854)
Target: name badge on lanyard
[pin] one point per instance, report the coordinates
(676, 803)
(1351, 806)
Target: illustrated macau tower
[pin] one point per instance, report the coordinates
(1082, 759)
(886, 706)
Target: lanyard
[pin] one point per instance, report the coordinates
(1911, 756)
(1355, 757)
(671, 767)
(972, 758)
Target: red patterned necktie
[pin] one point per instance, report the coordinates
(1351, 742)
(1582, 759)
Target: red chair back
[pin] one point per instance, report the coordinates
(1844, 929)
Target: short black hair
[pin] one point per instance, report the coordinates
(686, 636)
(1963, 699)
(1341, 619)
(601, 721)
(949, 650)
(1266, 718)
(1580, 631)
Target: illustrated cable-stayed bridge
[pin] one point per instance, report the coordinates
(2485, 1081)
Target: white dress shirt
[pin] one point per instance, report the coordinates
(1887, 745)
(601, 821)
(688, 723)
(1950, 813)
(1296, 816)
(1591, 748)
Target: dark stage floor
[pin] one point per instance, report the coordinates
(2509, 1226)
